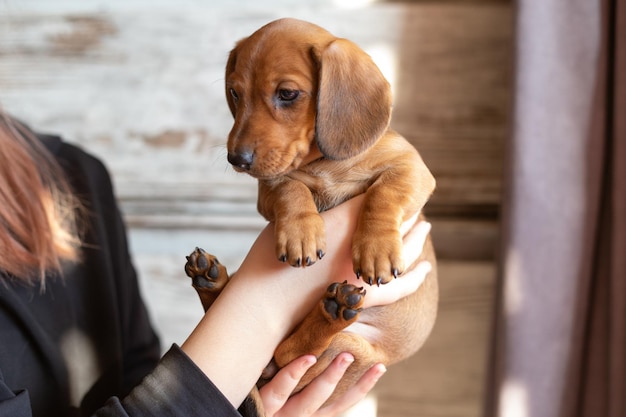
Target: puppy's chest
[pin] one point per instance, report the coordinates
(331, 187)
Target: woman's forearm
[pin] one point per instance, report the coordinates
(265, 299)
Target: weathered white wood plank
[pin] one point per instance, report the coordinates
(140, 83)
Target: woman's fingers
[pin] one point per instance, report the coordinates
(409, 224)
(355, 394)
(414, 241)
(310, 399)
(399, 288)
(276, 393)
(411, 279)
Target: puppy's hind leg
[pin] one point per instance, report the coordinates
(208, 276)
(337, 309)
(321, 334)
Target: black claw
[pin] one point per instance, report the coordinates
(395, 272)
(309, 262)
(298, 262)
(282, 258)
(358, 274)
(379, 281)
(320, 254)
(370, 280)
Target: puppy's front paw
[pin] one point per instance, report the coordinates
(205, 271)
(301, 241)
(377, 255)
(342, 303)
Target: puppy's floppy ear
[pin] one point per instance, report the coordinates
(353, 103)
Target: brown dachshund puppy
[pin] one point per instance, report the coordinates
(311, 124)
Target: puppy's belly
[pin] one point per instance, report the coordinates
(369, 332)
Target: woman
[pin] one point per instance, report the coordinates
(75, 335)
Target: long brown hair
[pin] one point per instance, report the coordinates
(38, 212)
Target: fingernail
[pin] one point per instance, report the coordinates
(309, 361)
(346, 360)
(381, 369)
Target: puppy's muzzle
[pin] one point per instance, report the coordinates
(242, 160)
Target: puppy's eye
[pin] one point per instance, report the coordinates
(288, 95)
(233, 94)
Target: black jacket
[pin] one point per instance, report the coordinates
(86, 341)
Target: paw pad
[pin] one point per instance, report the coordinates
(204, 269)
(343, 301)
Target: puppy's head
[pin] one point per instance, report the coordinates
(297, 93)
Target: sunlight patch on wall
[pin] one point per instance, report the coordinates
(513, 293)
(514, 400)
(352, 4)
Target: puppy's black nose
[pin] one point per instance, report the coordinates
(242, 160)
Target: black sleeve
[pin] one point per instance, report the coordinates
(176, 387)
(107, 255)
(14, 404)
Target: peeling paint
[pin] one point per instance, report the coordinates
(85, 33)
(166, 139)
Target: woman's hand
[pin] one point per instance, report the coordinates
(278, 402)
(276, 393)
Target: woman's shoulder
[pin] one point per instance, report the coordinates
(86, 171)
(70, 154)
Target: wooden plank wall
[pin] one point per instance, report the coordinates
(139, 83)
(452, 103)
